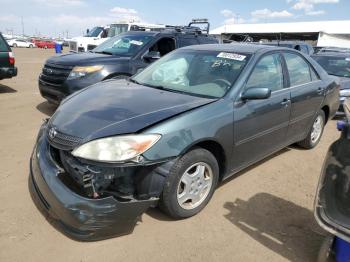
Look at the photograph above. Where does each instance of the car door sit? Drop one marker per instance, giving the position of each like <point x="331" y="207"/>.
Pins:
<point x="307" y="94"/>
<point x="20" y="43"/>
<point x="260" y="126"/>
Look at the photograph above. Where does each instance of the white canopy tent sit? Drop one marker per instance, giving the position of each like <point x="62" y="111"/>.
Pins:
<point x="326" y="33"/>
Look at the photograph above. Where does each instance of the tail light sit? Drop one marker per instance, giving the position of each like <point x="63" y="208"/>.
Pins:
<point x="11" y="58"/>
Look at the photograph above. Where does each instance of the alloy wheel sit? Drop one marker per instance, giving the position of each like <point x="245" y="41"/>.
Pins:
<point x="194" y="185"/>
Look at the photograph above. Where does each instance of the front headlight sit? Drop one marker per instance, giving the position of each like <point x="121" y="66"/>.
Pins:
<point x="81" y="71"/>
<point x="116" y="149"/>
<point x="345" y="92"/>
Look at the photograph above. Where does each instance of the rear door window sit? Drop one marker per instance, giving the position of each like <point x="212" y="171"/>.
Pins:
<point x="298" y="69"/>
<point x="3" y="45"/>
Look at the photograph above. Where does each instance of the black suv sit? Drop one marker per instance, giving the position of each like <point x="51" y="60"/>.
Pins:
<point x="7" y="60"/>
<point x="118" y="57"/>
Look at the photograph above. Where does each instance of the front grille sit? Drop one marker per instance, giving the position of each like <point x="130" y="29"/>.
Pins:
<point x="62" y="141"/>
<point x="55" y="74"/>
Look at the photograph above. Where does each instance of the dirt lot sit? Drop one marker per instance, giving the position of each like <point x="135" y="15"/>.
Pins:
<point x="264" y="213"/>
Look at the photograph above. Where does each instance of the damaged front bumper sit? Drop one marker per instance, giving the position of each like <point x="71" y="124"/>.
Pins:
<point x="81" y="218"/>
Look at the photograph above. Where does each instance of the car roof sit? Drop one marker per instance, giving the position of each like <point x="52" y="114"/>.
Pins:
<point x="333" y="54"/>
<point x="239" y="48"/>
<point x="288" y="42"/>
<point x="151" y="33"/>
<point x="162" y="32"/>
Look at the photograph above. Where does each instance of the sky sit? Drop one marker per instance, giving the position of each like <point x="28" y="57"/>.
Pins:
<point x="57" y="17"/>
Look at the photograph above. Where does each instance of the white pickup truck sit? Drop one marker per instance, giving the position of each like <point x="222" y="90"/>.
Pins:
<point x="99" y="34"/>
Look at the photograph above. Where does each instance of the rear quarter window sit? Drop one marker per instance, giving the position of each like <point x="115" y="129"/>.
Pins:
<point x="3" y="45"/>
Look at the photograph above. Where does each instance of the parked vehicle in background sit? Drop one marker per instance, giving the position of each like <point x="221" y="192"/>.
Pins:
<point x="41" y="43"/>
<point x="331" y="49"/>
<point x="7" y="60"/>
<point x="20" y="43"/>
<point x="332" y="203"/>
<point x="337" y="64"/>
<point x="169" y="134"/>
<point x="100" y="34"/>
<point x="95" y="36"/>
<point x="297" y="45"/>
<point x="120" y="56"/>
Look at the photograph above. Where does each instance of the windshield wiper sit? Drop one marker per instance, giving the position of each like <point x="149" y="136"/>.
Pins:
<point x="134" y="81"/>
<point x="103" y="52"/>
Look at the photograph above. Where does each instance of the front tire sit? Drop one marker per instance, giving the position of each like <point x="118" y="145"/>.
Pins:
<point x="190" y="184"/>
<point x="14" y="45"/>
<point x="315" y="134"/>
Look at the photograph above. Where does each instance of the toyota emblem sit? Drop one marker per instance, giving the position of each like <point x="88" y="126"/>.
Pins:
<point x="52" y="133"/>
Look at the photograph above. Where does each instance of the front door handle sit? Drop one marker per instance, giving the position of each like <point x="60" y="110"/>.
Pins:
<point x="285" y="102"/>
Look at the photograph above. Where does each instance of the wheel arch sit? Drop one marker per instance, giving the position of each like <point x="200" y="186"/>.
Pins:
<point x="216" y="149"/>
<point x="325" y="109"/>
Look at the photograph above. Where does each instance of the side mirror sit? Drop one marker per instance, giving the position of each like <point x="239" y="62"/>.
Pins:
<point x="255" y="93"/>
<point x="151" y="56"/>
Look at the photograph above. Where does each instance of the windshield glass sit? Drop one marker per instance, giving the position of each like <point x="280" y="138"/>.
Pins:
<point x="94" y="32"/>
<point x="338" y="66"/>
<point x="200" y="73"/>
<point x="124" y="45"/>
<point x="117" y="29"/>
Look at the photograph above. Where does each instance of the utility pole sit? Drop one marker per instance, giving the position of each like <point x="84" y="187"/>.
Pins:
<point x="22" y="25"/>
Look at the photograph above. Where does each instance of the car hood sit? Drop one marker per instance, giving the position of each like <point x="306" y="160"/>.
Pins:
<point x="88" y="58"/>
<point x="119" y="107"/>
<point x="344" y="82"/>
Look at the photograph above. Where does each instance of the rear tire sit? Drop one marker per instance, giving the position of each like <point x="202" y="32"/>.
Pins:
<point x="315" y="134"/>
<point x="14" y="45"/>
<point x="31" y="46"/>
<point x="190" y="184"/>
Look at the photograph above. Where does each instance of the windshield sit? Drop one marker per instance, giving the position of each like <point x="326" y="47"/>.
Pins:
<point x="200" y="73"/>
<point x="94" y="32"/>
<point x="124" y="45"/>
<point x="117" y="29"/>
<point x="338" y="66"/>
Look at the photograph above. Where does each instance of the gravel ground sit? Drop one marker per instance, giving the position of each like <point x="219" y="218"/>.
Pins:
<point x="264" y="213"/>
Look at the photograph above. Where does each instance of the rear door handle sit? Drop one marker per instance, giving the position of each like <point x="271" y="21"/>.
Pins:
<point x="285" y="102"/>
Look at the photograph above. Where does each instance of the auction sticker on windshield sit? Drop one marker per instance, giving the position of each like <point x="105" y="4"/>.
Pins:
<point x="232" y="56"/>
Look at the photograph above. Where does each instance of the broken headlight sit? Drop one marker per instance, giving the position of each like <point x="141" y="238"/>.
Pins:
<point x="116" y="149"/>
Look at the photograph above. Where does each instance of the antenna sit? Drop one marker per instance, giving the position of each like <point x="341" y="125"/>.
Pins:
<point x="22" y="25"/>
